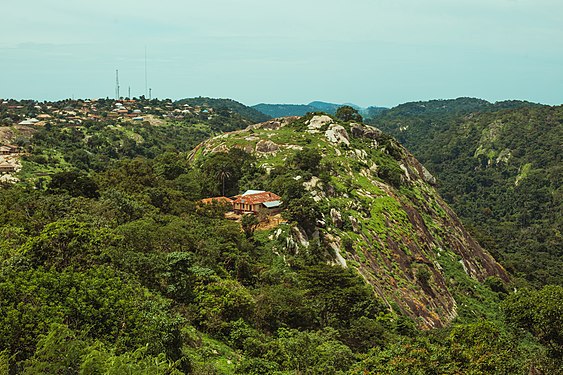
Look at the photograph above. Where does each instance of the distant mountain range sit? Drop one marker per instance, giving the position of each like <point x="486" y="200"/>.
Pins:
<point x="283" y="110"/>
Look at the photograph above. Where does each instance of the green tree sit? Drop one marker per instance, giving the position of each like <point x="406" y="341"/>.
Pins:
<point x="540" y="313"/>
<point x="304" y="211"/>
<point x="221" y="302"/>
<point x="347" y="113"/>
<point x="308" y="160"/>
<point x="59" y="351"/>
<point x="69" y="243"/>
<point x="74" y="183"/>
<point x="223" y="174"/>
<point x="249" y="224"/>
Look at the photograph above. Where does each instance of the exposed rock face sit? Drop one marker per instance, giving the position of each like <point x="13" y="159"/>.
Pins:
<point x="366" y="131"/>
<point x="317" y="122"/>
<point x="336" y="218"/>
<point x="274" y="124"/>
<point x="334" y="244"/>
<point x="337" y="134"/>
<point x="427" y="176"/>
<point x="266" y="146"/>
<point x="421" y="171"/>
<point x="395" y="227"/>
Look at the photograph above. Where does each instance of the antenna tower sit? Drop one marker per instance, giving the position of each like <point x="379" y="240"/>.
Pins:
<point x="116" y="84"/>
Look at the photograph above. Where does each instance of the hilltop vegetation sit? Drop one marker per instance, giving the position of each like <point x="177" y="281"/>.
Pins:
<point x="499" y="166"/>
<point x="112" y="265"/>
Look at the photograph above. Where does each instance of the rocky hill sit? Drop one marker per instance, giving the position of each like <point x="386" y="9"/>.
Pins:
<point x="375" y="210"/>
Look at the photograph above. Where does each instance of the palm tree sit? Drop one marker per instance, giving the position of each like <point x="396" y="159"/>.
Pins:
<point x="223" y="174"/>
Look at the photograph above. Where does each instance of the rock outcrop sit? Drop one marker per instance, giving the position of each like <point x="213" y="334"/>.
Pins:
<point x="380" y="214"/>
<point x="337" y="134"/>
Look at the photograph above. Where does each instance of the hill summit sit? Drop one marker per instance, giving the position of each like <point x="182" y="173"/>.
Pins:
<point x="368" y="205"/>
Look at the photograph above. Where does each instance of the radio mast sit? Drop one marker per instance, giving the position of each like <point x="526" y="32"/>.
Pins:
<point x="116" y="84"/>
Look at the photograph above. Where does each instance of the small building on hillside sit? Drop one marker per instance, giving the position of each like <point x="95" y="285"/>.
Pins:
<point x="8" y="149"/>
<point x="7" y="168"/>
<point x="29" y="121"/>
<point x="252" y="201"/>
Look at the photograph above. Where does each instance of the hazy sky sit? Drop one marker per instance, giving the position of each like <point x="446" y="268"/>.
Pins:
<point x="369" y="52"/>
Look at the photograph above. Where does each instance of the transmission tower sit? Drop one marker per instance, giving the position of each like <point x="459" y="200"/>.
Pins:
<point x="116" y="84"/>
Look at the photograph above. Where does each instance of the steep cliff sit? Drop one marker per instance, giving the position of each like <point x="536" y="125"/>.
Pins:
<point x="500" y="170"/>
<point x="378" y="213"/>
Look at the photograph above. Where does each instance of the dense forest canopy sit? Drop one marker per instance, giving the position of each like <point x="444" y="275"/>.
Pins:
<point x="111" y="265"/>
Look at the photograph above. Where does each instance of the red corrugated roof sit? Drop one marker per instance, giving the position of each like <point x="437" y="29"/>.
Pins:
<point x="257" y="198"/>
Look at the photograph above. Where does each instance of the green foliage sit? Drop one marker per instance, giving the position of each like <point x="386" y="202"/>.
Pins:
<point x="98" y="301"/>
<point x="4" y="362"/>
<point x="249" y="223"/>
<point x="310" y="352"/>
<point x="540" y="313"/>
<point x="283" y="306"/>
<point x="221" y="302"/>
<point x="483" y="348"/>
<point x="60" y="351"/>
<point x="391" y="173"/>
<point x="347" y="113"/>
<point x="68" y="243"/>
<point x="99" y="360"/>
<point x="480" y="348"/>
<point x="114" y="268"/>
<point x="287" y="187"/>
<point x="74" y="183"/>
<point x="304" y="211"/>
<point x="338" y="296"/>
<point x="307" y="160"/>
<point x="222" y="172"/>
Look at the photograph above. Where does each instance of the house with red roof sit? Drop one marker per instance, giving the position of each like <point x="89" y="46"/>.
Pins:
<point x="252" y="201"/>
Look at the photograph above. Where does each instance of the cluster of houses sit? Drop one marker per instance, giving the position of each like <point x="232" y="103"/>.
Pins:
<point x="8" y="154"/>
<point x="75" y="113"/>
<point x="250" y="202"/>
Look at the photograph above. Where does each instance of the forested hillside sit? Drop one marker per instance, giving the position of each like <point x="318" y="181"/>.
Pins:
<point x="110" y="263"/>
<point x="499" y="166"/>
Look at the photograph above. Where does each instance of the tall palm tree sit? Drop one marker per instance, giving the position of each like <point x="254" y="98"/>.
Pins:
<point x="222" y="175"/>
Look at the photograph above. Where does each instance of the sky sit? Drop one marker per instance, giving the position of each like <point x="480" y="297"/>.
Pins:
<point x="367" y="52"/>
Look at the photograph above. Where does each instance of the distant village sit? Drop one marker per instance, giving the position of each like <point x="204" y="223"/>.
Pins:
<point x="76" y="112"/>
<point x="23" y="116"/>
